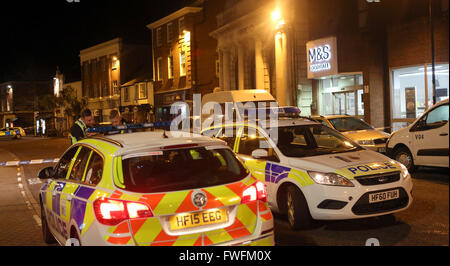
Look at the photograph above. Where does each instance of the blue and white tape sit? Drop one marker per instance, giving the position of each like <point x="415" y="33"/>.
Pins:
<point x="28" y="162"/>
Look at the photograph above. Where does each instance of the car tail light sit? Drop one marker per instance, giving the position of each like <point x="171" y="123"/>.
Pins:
<point x="113" y="212"/>
<point x="254" y="192"/>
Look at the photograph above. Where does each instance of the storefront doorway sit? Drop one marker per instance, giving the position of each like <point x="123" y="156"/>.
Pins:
<point x="340" y="95"/>
<point x="348" y="103"/>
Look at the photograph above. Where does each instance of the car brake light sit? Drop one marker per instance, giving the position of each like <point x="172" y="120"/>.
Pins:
<point x="181" y="146"/>
<point x="113" y="212"/>
<point x="254" y="192"/>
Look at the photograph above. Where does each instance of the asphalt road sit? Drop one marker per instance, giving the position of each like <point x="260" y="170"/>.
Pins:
<point x="425" y="223"/>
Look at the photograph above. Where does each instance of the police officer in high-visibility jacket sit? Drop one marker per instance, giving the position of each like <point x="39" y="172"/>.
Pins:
<point x="79" y="128"/>
<point x="117" y="120"/>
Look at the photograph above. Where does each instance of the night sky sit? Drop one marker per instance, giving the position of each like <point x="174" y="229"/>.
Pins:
<point x="36" y="36"/>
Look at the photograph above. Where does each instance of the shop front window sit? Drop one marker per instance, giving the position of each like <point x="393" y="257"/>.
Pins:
<point x="412" y="92"/>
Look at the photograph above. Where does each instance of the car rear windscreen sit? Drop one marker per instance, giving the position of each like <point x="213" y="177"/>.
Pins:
<point x="181" y="169"/>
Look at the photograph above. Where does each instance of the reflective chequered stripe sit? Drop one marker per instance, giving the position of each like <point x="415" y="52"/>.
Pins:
<point x="150" y="231"/>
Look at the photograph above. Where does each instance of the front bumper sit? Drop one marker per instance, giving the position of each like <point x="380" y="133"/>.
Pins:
<point x="341" y="203"/>
<point x="381" y="148"/>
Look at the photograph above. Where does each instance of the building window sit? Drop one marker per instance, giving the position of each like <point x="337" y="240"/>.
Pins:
<point x="160" y="69"/>
<point x="412" y="91"/>
<point x="126" y="94"/>
<point x="169" y="32"/>
<point x="182" y="63"/>
<point x="115" y="87"/>
<point x="158" y="37"/>
<point x="170" y="66"/>
<point x="217" y="68"/>
<point x="105" y="91"/>
<point x="142" y="91"/>
<point x="181" y="26"/>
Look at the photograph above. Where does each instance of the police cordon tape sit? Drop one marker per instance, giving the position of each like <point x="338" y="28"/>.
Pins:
<point x="28" y="162"/>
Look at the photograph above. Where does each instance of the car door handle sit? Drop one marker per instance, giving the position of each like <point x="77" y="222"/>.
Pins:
<point x="443" y="134"/>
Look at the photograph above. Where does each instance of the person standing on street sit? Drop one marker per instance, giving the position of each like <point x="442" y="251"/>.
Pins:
<point x="79" y="128"/>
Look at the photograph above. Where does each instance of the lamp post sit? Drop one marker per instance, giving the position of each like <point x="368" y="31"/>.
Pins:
<point x="433" y="77"/>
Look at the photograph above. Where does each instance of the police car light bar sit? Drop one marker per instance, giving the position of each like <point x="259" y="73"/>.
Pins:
<point x="286" y="111"/>
<point x="155" y="125"/>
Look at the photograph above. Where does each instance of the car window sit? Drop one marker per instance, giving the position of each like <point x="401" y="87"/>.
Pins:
<point x="343" y="124"/>
<point x="251" y="140"/>
<point x="212" y="132"/>
<point x="228" y="134"/>
<point x="312" y="140"/>
<point x="182" y="169"/>
<point x="94" y="170"/>
<point x="437" y="117"/>
<point x="64" y="163"/>
<point x="79" y="164"/>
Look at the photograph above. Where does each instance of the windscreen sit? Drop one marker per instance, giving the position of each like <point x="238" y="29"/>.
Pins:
<point x="181" y="169"/>
<point x="312" y="140"/>
<point x="343" y="124"/>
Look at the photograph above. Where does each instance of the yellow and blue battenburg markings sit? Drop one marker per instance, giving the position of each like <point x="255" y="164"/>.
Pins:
<point x="275" y="173"/>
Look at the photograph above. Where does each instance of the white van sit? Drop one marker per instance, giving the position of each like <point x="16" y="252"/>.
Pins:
<point x="424" y="142"/>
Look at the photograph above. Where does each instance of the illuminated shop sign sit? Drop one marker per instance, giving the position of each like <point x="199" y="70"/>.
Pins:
<point x="322" y="57"/>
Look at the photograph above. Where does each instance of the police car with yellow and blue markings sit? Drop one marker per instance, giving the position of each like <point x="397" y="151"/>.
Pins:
<point x="149" y="188"/>
<point x="314" y="172"/>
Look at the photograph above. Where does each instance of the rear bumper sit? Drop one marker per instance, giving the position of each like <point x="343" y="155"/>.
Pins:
<point x="265" y="240"/>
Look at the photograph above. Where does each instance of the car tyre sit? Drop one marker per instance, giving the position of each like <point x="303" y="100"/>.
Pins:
<point x="404" y="156"/>
<point x="297" y="210"/>
<point x="48" y="237"/>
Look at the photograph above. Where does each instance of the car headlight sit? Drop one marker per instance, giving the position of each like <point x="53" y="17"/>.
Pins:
<point x="366" y="142"/>
<point x="330" y="179"/>
<point x="405" y="172"/>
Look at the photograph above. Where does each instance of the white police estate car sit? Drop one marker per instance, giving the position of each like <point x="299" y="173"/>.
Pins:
<point x="425" y="142"/>
<point x="315" y="172"/>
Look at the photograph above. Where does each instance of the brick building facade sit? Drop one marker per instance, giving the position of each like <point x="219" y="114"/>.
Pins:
<point x="104" y="67"/>
<point x="382" y="48"/>
<point x="184" y="55"/>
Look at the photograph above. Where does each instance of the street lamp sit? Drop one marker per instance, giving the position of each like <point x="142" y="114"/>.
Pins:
<point x="277" y="19"/>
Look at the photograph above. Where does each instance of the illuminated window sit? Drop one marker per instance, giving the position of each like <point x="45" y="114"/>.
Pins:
<point x="170" y="66"/>
<point x="182" y="63"/>
<point x="142" y="91"/>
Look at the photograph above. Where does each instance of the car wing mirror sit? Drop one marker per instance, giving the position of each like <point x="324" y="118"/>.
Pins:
<point x="260" y="154"/>
<point x="46" y="173"/>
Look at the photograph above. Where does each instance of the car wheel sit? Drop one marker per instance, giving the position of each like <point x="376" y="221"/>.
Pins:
<point x="404" y="156"/>
<point x="18" y="136"/>
<point x="298" y="214"/>
<point x="48" y="237"/>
